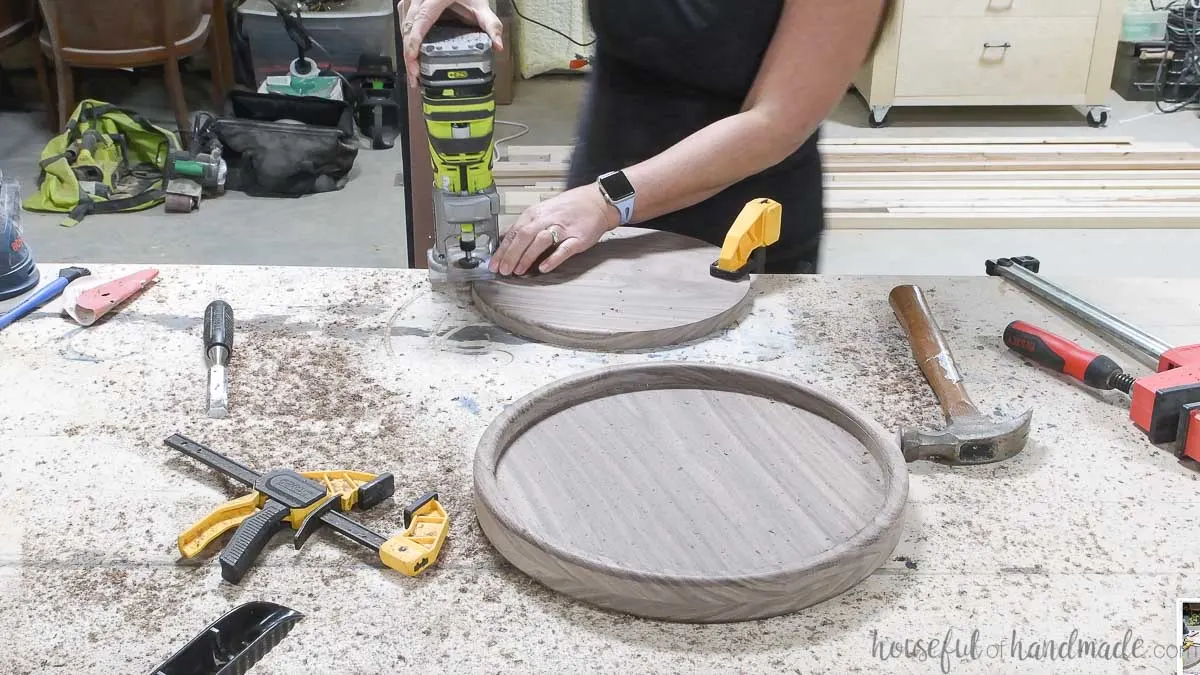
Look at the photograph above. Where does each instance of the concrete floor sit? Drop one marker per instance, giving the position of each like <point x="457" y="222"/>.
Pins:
<point x="362" y="225"/>
<point x="359" y="226"/>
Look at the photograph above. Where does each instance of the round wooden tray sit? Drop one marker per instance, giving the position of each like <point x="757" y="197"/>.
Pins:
<point x="690" y="492"/>
<point x="635" y="289"/>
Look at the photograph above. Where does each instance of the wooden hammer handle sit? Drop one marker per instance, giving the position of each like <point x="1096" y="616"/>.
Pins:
<point x="931" y="351"/>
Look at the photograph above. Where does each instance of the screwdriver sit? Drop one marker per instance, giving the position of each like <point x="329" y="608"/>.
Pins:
<point x="218" y="347"/>
<point x="1063" y="356"/>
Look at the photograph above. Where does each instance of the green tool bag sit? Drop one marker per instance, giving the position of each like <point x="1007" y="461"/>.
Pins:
<point x="108" y="160"/>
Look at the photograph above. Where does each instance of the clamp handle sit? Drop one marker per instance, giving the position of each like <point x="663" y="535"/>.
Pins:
<point x="1064" y="356"/>
<point x="250" y="539"/>
<point x="222" y="519"/>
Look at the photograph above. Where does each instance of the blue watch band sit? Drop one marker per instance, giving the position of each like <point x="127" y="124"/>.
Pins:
<point x="625" y="207"/>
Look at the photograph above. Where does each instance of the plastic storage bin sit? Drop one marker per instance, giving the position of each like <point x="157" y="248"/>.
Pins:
<point x="1144" y="26"/>
<point x="357" y="27"/>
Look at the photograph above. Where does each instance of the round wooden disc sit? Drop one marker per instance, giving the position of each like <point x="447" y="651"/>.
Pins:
<point x="690" y="492"/>
<point x="635" y="289"/>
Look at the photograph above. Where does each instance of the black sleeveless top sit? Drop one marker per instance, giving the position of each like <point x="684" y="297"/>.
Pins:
<point x="665" y="69"/>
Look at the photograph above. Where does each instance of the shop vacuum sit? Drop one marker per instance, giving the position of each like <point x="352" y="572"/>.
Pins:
<point x="18" y="273"/>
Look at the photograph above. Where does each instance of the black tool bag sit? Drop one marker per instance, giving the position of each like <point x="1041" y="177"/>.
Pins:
<point x="286" y="146"/>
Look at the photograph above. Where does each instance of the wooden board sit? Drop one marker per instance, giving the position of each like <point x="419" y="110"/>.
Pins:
<point x="690" y="492"/>
<point x="525" y="173"/>
<point x="976" y="140"/>
<point x="919" y="150"/>
<point x="1096" y="219"/>
<point x="964" y="183"/>
<point x="636" y="289"/>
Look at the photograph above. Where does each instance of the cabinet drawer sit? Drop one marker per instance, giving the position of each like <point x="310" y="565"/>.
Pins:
<point x="948" y="57"/>
<point x="1002" y="8"/>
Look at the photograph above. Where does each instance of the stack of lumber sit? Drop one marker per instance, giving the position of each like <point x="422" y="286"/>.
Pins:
<point x="968" y="183"/>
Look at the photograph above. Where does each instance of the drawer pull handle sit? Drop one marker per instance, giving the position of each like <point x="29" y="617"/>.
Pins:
<point x="997" y="45"/>
<point x="992" y="7"/>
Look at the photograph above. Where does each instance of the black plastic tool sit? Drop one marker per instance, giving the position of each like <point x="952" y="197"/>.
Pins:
<point x="377" y="89"/>
<point x="756" y="263"/>
<point x="218" y="329"/>
<point x="232" y="644"/>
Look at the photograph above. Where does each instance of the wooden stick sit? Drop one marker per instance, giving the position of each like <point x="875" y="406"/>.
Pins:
<point x="1088" y="220"/>
<point x="1033" y="186"/>
<point x="916" y="147"/>
<point x="1191" y="196"/>
<point x="532" y="195"/>
<point x="545" y="171"/>
<point x="976" y="180"/>
<point x="890" y="179"/>
<point x="983" y="140"/>
<point x="1020" y="165"/>
<point x="555" y="152"/>
<point x="1094" y="220"/>
<point x="1037" y="211"/>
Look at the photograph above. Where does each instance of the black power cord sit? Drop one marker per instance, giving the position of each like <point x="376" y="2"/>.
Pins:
<point x="517" y="11"/>
<point x="1177" y="82"/>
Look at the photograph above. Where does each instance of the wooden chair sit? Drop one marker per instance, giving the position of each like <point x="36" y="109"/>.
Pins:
<point x="221" y="45"/>
<point x="92" y="34"/>
<point x="18" y="22"/>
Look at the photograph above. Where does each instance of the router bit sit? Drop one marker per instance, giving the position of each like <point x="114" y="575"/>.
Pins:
<point x="218" y="347"/>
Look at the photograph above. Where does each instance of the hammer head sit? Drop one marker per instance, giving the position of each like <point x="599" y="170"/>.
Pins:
<point x="969" y="439"/>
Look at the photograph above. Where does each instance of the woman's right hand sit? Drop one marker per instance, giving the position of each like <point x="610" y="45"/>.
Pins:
<point x="420" y="16"/>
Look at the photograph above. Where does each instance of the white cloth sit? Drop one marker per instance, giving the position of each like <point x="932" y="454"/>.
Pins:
<point x="542" y="51"/>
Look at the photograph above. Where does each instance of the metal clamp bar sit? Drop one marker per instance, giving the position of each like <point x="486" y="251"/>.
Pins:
<point x="1102" y="322"/>
<point x="994" y="45"/>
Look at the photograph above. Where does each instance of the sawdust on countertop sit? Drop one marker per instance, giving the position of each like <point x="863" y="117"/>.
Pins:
<point x="869" y="366"/>
<point x="302" y="397"/>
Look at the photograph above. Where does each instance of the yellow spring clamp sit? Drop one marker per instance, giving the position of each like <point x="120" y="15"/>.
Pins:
<point x="745" y="248"/>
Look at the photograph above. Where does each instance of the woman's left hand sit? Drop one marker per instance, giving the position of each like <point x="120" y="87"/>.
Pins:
<point x="572" y="222"/>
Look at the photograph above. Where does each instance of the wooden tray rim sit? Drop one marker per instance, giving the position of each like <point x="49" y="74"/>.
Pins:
<point x="573" y="390"/>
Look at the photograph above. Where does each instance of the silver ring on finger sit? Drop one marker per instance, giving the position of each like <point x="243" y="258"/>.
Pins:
<point x="553" y="230"/>
<point x="406" y="28"/>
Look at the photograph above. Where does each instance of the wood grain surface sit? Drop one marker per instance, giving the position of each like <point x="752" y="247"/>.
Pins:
<point x="635" y="289"/>
<point x="971" y="183"/>
<point x="690" y="492"/>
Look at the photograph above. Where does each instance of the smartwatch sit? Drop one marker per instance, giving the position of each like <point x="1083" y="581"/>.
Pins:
<point x="618" y="191"/>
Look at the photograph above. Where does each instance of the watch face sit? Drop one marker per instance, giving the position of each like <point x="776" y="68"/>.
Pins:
<point x="616" y="186"/>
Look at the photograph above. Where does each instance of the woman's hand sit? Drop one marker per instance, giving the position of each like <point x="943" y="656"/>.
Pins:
<point x="422" y="14"/>
<point x="573" y="221"/>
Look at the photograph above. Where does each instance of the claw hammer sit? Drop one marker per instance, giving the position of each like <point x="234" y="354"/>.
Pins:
<point x="969" y="437"/>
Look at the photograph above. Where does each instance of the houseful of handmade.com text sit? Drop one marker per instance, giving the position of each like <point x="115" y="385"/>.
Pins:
<point x="963" y="646"/>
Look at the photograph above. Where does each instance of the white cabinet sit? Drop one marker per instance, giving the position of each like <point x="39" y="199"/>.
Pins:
<point x="995" y="52"/>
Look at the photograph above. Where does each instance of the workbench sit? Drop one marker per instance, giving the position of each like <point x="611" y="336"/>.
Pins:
<point x="1087" y="529"/>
